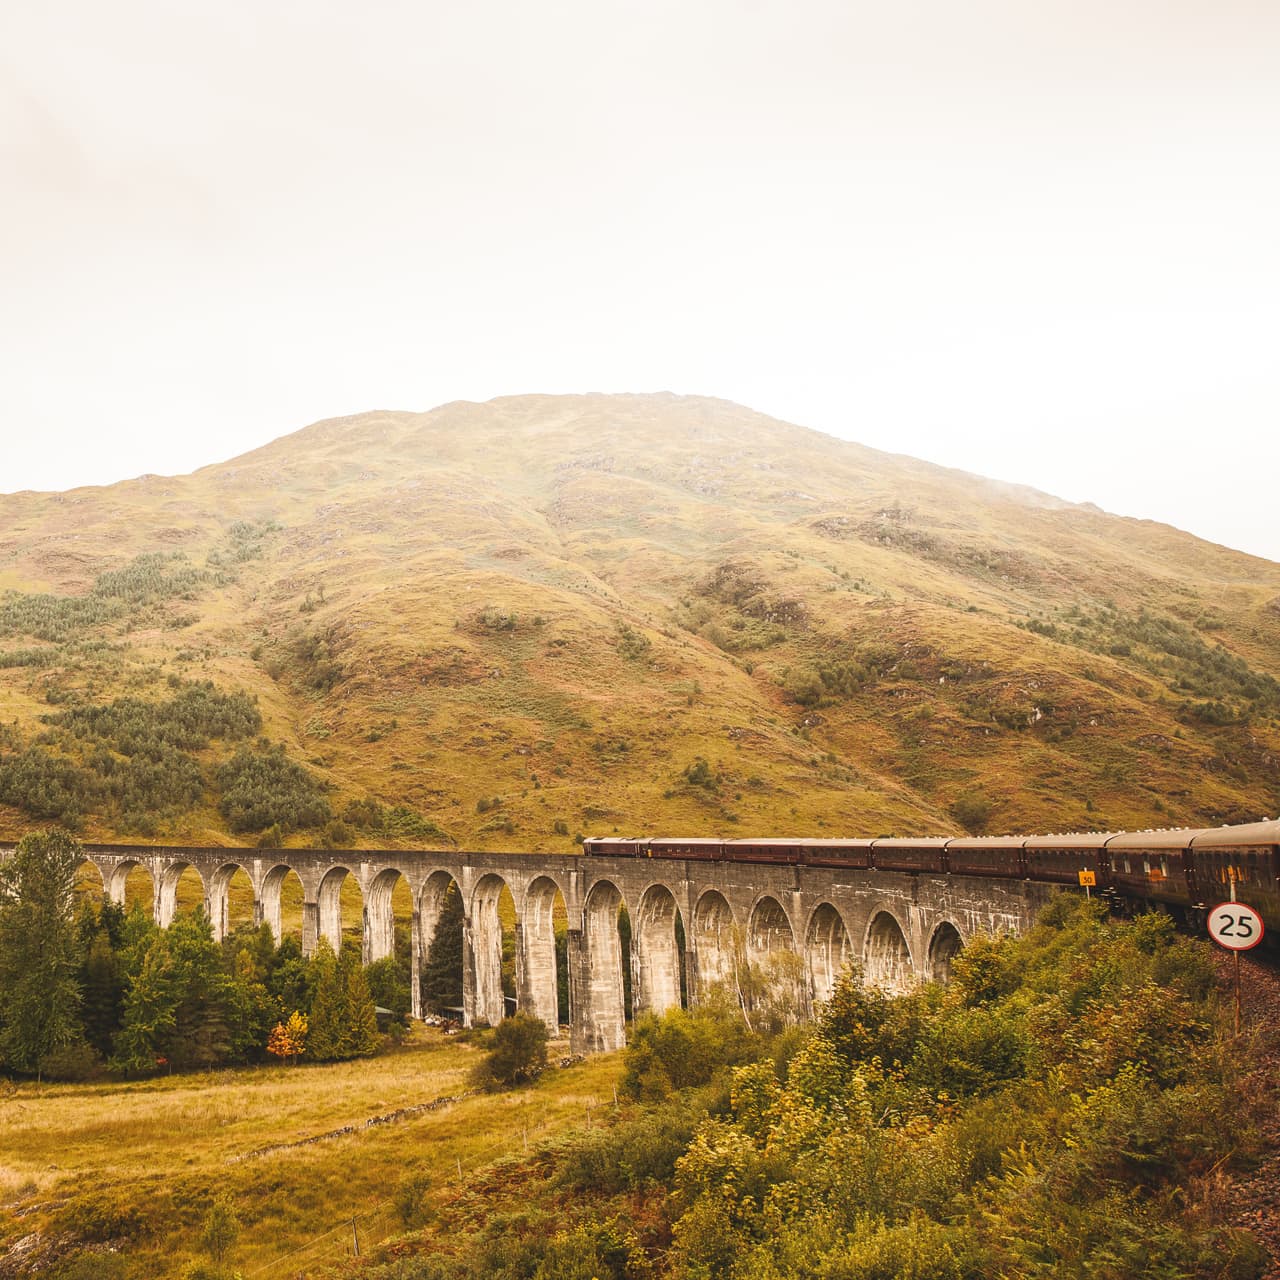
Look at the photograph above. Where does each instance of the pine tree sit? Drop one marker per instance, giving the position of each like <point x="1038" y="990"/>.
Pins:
<point x="328" y="1006"/>
<point x="150" y="1010"/>
<point x="442" y="973"/>
<point x="102" y="993"/>
<point x="39" y="950"/>
<point x="359" y="1037"/>
<point x="202" y="1033"/>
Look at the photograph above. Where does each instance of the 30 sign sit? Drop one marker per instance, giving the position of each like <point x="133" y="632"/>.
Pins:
<point x="1235" y="926"/>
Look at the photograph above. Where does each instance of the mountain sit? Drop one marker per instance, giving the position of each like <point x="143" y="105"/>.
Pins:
<point x="502" y="624"/>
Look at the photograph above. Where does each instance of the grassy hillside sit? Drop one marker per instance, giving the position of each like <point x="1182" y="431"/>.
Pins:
<point x="500" y="625"/>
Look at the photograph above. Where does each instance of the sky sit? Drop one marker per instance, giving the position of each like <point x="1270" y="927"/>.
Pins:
<point x="1037" y="241"/>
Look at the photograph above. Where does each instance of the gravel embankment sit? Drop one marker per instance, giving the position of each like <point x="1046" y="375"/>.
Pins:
<point x="1257" y="1192"/>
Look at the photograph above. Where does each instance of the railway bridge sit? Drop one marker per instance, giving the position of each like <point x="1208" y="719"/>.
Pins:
<point x="797" y="926"/>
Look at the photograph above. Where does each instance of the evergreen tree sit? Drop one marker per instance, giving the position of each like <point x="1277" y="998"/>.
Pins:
<point x="150" y="1009"/>
<point x="359" y="1037"/>
<point x="328" y="1007"/>
<point x="289" y="976"/>
<point x="442" y="973"/>
<point x="39" y="950"/>
<point x="102" y="993"/>
<point x="389" y="986"/>
<point x="202" y="1034"/>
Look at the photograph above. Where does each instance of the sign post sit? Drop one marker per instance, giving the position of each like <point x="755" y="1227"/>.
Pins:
<point x="1238" y="928"/>
<point x="1088" y="879"/>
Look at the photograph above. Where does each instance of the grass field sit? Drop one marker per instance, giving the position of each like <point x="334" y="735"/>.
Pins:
<point x="72" y="1156"/>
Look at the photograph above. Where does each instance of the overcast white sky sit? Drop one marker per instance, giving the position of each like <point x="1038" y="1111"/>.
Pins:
<point x="1036" y="240"/>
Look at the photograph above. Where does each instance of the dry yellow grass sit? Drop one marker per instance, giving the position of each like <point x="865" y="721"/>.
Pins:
<point x="168" y="1145"/>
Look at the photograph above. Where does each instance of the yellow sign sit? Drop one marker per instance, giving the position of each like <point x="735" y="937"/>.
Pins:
<point x="1088" y="878"/>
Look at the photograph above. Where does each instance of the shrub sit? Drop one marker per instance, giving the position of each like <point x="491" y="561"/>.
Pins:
<point x="518" y="1052"/>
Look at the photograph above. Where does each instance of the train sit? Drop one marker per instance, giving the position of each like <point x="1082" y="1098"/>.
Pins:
<point x="1187" y="869"/>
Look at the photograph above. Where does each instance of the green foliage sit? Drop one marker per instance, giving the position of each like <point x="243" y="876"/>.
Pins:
<point x="132" y="758"/>
<point x="410" y="1199"/>
<point x="442" y="972"/>
<point x="265" y="788"/>
<point x="48" y="786"/>
<point x="396" y="821"/>
<point x="632" y="1155"/>
<point x="40" y="951"/>
<point x="684" y="1049"/>
<point x="388" y="980"/>
<point x="123" y="593"/>
<point x="972" y="811"/>
<point x="518" y="1052"/>
<point x="1227" y="687"/>
<point x="632" y="644"/>
<point x="315" y="658"/>
<point x="1039" y="1117"/>
<point x="220" y="1230"/>
<point x="701" y="774"/>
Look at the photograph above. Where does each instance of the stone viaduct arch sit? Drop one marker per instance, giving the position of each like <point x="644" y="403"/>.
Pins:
<point x="803" y="924"/>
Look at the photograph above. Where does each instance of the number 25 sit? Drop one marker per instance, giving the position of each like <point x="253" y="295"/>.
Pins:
<point x="1243" y="926"/>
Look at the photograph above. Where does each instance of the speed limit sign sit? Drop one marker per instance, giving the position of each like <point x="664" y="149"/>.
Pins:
<point x="1235" y="926"/>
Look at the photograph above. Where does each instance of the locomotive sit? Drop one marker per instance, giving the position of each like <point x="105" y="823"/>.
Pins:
<point x="1186" y="869"/>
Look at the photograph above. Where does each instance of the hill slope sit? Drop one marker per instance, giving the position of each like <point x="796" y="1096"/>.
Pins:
<point x="500" y="624"/>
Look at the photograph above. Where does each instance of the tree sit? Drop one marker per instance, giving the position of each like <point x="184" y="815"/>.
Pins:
<point x="39" y="950"/>
<point x="150" y="1010"/>
<point x="220" y="1231"/>
<point x="202" y="1032"/>
<point x="442" y="973"/>
<point x="519" y="1051"/>
<point x="328" y="1006"/>
<point x="288" y="1040"/>
<point x="359" y="1037"/>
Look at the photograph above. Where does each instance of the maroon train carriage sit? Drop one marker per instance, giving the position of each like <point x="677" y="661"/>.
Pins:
<point x="923" y="853"/>
<point x="836" y="853"/>
<point x="997" y="856"/>
<point x="696" y="849"/>
<point x="787" y="852"/>
<point x="1152" y="865"/>
<point x="1059" y="859"/>
<point x="1249" y="855"/>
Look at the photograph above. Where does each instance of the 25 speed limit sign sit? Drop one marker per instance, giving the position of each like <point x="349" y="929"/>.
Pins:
<point x="1235" y="926"/>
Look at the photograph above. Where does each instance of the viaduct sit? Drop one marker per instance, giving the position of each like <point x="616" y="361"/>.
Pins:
<point x="797" y="925"/>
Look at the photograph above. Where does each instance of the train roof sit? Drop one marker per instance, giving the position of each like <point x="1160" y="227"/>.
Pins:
<point x="987" y="842"/>
<point x="695" y="840"/>
<point x="1070" y="840"/>
<point x="911" y="842"/>
<point x="806" y="842"/>
<point x="1246" y="833"/>
<point x="1170" y="838"/>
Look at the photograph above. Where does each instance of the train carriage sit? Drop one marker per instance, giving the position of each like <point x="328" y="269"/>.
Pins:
<point x="1249" y="856"/>
<point x="925" y="853"/>
<point x="1059" y="859"/>
<point x="999" y="857"/>
<point x="1152" y="865"/>
<point x="696" y="848"/>
<point x="836" y="853"/>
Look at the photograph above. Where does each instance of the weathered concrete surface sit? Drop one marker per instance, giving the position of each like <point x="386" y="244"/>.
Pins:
<point x="800" y="925"/>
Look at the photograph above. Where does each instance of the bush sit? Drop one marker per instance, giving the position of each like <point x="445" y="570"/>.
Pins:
<point x="684" y="1049"/>
<point x="518" y="1052"/>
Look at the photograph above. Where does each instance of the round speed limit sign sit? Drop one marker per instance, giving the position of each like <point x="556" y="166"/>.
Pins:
<point x="1235" y="926"/>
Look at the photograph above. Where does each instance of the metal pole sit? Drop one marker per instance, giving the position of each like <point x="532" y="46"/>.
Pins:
<point x="1236" y="954"/>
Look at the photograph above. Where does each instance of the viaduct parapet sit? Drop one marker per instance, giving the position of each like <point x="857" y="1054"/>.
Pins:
<point x="797" y="925"/>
